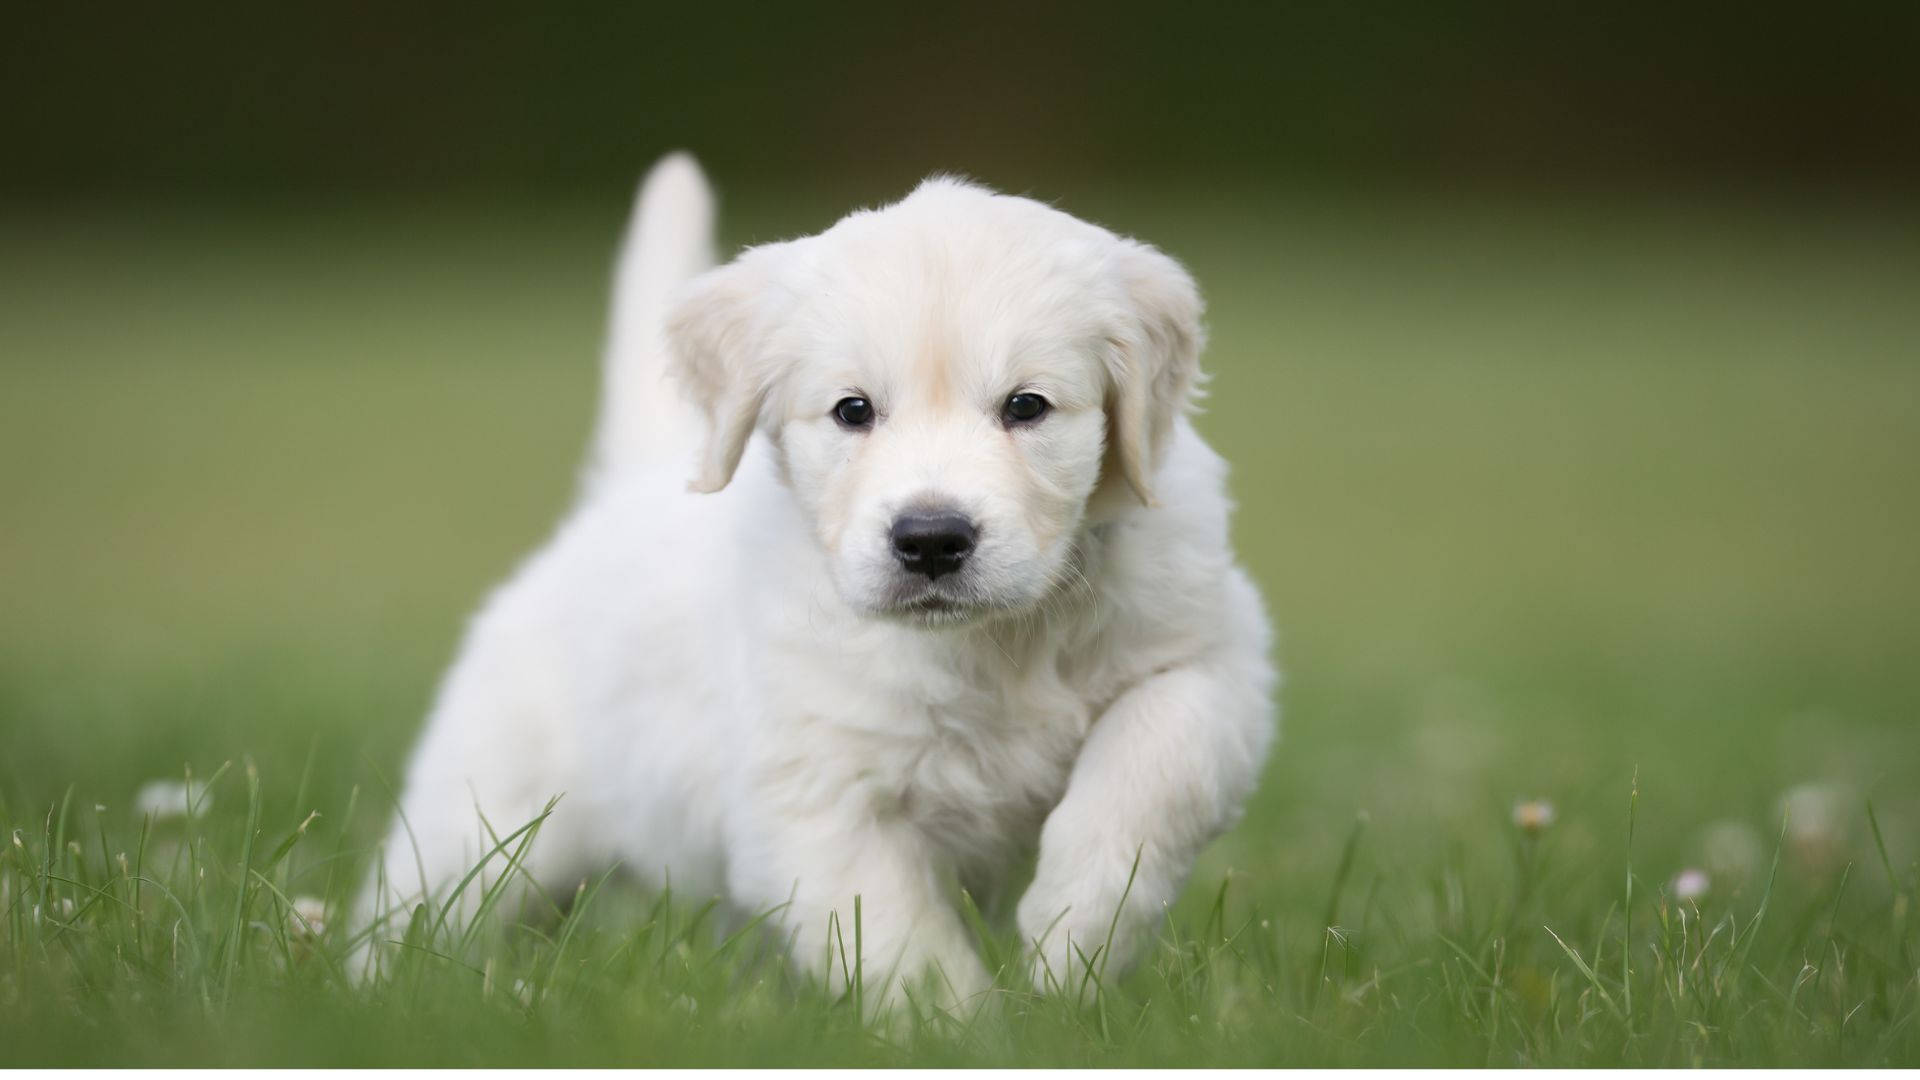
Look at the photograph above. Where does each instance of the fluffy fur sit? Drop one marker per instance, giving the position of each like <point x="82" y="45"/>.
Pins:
<point x="738" y="687"/>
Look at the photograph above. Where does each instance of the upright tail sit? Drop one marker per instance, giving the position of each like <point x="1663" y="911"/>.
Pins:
<point x="669" y="240"/>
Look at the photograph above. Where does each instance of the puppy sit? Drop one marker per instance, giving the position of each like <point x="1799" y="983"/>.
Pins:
<point x="951" y="584"/>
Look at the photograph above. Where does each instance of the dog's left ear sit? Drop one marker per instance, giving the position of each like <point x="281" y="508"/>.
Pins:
<point x="721" y="354"/>
<point x="1153" y="364"/>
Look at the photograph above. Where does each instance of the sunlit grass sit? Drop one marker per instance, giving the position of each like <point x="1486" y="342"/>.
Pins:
<point x="218" y="939"/>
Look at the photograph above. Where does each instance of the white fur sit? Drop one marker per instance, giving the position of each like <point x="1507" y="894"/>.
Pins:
<point x="742" y="692"/>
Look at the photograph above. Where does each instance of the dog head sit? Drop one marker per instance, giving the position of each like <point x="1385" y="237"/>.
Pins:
<point x="950" y="384"/>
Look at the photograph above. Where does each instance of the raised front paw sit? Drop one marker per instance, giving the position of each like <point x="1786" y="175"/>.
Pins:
<point x="1077" y="934"/>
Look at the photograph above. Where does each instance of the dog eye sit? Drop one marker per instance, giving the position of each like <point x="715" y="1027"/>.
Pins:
<point x="1023" y="408"/>
<point x="853" y="412"/>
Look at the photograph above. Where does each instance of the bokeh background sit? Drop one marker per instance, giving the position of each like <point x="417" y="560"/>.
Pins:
<point x="1566" y="358"/>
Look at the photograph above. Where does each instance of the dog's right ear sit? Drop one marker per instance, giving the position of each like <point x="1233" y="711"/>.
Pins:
<point x="720" y="343"/>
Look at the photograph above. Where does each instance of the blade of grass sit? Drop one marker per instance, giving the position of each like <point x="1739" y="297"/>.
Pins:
<point x="285" y="846"/>
<point x="1745" y="944"/>
<point x="238" y="928"/>
<point x="1880" y="846"/>
<point x="474" y="871"/>
<point x="1347" y="853"/>
<point x="516" y="865"/>
<point x="1592" y="977"/>
<point x="1626" y="953"/>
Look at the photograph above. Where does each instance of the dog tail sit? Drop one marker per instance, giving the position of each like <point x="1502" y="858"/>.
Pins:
<point x="669" y="240"/>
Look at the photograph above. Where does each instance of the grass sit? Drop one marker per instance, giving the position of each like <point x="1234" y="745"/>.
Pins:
<point x="1608" y="504"/>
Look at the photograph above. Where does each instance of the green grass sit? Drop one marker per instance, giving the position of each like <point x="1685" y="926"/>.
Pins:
<point x="1611" y="504"/>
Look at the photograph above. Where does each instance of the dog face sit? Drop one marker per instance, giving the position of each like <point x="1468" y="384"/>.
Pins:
<point x="952" y="384"/>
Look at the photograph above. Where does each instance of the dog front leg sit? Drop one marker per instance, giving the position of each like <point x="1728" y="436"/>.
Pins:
<point x="907" y="936"/>
<point x="1163" y="771"/>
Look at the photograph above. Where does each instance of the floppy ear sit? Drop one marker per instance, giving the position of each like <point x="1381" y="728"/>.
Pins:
<point x="718" y="337"/>
<point x="1154" y="363"/>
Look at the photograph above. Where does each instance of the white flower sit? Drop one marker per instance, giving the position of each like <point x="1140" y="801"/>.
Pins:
<point x="1816" y="822"/>
<point x="1533" y="815"/>
<point x="164" y="799"/>
<point x="307" y="917"/>
<point x="1690" y="884"/>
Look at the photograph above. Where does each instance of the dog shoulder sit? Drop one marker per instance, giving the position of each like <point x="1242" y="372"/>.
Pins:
<point x="1169" y="587"/>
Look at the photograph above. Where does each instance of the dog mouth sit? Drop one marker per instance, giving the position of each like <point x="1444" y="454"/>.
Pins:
<point x="934" y="606"/>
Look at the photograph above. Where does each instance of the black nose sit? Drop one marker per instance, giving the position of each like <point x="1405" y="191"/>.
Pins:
<point x="932" y="542"/>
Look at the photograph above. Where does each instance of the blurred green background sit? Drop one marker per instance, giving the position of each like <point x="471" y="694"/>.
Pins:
<point x="1566" y="362"/>
<point x="225" y="100"/>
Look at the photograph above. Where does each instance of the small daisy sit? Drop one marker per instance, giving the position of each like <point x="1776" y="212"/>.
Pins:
<point x="162" y="800"/>
<point x="1816" y="822"/>
<point x="1533" y="815"/>
<point x="1690" y="884"/>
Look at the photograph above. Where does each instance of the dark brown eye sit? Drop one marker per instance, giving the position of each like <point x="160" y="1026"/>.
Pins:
<point x="853" y="412"/>
<point x="1025" y="408"/>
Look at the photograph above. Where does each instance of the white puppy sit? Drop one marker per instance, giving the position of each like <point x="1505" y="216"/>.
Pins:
<point x="952" y="583"/>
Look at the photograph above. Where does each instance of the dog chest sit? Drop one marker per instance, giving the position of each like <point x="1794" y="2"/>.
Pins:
<point x="981" y="776"/>
<point x="968" y="740"/>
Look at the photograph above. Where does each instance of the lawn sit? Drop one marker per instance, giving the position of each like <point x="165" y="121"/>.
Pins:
<point x="1611" y="503"/>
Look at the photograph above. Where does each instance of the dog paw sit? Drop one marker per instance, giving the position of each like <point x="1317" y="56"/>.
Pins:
<point x="1071" y="941"/>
